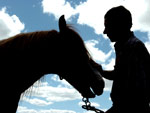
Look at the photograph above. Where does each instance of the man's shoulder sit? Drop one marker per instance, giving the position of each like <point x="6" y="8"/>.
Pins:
<point x="138" y="46"/>
<point x="135" y="42"/>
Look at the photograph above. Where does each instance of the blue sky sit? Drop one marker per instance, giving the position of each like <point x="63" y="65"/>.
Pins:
<point x="53" y="95"/>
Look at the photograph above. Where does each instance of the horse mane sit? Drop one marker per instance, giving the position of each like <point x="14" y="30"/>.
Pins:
<point x="26" y="40"/>
<point x="77" y="42"/>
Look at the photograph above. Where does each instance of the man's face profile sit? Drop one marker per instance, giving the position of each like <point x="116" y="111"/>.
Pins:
<point x="111" y="30"/>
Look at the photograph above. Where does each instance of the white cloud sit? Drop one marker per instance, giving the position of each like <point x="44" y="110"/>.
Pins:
<point x="9" y="24"/>
<point x="25" y="110"/>
<point x="92" y="12"/>
<point x="110" y="65"/>
<point x="89" y="112"/>
<point x="62" y="83"/>
<point x="147" y="43"/>
<point x="52" y="94"/>
<point x="37" y="102"/>
<point x="48" y="95"/>
<point x="108" y="85"/>
<point x="140" y="13"/>
<point x="97" y="54"/>
<point x="57" y="94"/>
<point x="22" y="109"/>
<point x="58" y="7"/>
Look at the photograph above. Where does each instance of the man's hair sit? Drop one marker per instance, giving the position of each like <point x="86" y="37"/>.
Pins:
<point x="119" y="16"/>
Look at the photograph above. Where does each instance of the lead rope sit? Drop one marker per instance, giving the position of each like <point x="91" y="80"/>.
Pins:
<point x="88" y="106"/>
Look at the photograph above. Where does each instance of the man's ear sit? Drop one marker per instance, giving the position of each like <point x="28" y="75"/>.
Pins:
<point x="62" y="23"/>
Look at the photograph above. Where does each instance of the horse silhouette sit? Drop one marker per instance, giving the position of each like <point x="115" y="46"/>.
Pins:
<point x="27" y="57"/>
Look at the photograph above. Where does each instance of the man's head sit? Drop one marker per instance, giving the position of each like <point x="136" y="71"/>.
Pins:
<point x="118" y="22"/>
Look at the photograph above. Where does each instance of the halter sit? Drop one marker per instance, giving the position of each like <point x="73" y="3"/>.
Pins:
<point x="88" y="106"/>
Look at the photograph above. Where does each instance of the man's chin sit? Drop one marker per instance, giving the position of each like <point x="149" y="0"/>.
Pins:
<point x="112" y="40"/>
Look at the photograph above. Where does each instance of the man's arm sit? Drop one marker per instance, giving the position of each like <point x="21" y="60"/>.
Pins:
<point x="108" y="74"/>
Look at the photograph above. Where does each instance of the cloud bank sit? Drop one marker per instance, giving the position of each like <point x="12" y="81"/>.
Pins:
<point x="10" y="24"/>
<point x="97" y="54"/>
<point x="50" y="94"/>
<point x="45" y="95"/>
<point x="91" y="12"/>
<point x="22" y="109"/>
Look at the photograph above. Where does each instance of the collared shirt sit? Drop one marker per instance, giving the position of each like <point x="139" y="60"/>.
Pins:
<point x="132" y="73"/>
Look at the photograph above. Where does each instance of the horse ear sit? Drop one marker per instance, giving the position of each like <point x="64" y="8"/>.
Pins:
<point x="62" y="23"/>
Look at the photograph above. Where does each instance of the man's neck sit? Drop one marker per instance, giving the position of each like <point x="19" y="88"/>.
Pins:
<point x="125" y="36"/>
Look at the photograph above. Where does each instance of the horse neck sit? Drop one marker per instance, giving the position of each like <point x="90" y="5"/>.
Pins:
<point x="30" y="52"/>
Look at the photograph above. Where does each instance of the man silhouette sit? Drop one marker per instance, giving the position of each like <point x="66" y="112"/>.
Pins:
<point x="130" y="90"/>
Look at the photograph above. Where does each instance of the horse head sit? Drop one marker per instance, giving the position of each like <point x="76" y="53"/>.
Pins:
<point x="81" y="71"/>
